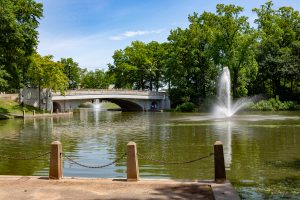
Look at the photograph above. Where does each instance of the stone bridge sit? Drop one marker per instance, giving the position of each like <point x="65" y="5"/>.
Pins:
<point x="128" y="100"/>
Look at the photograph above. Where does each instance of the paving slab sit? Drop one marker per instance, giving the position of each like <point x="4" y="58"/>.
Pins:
<point x="36" y="188"/>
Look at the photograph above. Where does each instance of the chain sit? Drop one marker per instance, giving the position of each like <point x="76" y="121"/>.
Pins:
<point x="94" y="166"/>
<point x="5" y="157"/>
<point x="174" y="163"/>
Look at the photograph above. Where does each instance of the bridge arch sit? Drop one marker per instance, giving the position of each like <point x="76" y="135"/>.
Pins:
<point x="126" y="105"/>
<point x="56" y="107"/>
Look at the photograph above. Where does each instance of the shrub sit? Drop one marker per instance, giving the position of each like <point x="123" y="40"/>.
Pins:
<point x="185" y="107"/>
<point x="272" y="105"/>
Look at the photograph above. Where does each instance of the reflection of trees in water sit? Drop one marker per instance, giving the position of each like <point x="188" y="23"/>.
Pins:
<point x="162" y="139"/>
<point x="10" y="129"/>
<point x="102" y="136"/>
<point x="23" y="138"/>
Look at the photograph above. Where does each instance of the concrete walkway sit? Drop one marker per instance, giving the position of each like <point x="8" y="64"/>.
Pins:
<point x="36" y="188"/>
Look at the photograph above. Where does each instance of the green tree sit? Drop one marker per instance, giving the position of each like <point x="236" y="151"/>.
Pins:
<point x="18" y="37"/>
<point x="45" y="73"/>
<point x="3" y="76"/>
<point x="124" y="72"/>
<point x="72" y="71"/>
<point x="156" y="53"/>
<point x="139" y="66"/>
<point x="278" y="51"/>
<point x="233" y="45"/>
<point x="96" y="79"/>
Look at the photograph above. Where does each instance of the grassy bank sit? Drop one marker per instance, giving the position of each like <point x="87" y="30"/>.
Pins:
<point x="9" y="107"/>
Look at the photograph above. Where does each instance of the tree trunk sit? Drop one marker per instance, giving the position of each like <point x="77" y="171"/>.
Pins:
<point x="39" y="96"/>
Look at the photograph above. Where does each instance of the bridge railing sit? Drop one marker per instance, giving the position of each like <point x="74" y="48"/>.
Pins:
<point x="112" y="91"/>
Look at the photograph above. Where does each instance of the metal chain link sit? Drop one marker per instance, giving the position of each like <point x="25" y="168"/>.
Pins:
<point x="91" y="166"/>
<point x="7" y="157"/>
<point x="173" y="163"/>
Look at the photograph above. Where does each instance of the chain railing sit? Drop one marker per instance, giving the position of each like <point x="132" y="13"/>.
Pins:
<point x="56" y="155"/>
<point x="22" y="157"/>
<point x="93" y="166"/>
<point x="164" y="162"/>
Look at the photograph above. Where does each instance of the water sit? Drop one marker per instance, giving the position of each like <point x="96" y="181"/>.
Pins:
<point x="262" y="151"/>
<point x="97" y="105"/>
<point x="224" y="106"/>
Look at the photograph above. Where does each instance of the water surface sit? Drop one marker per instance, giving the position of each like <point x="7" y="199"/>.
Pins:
<point x="262" y="151"/>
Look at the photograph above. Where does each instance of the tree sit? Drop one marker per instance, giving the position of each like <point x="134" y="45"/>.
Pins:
<point x="122" y="70"/>
<point x="96" y="79"/>
<point x="156" y="54"/>
<point x="72" y="71"/>
<point x="139" y="66"/>
<point x="3" y="82"/>
<point x="233" y="44"/>
<point x="45" y="73"/>
<point x="278" y="51"/>
<point x="18" y="37"/>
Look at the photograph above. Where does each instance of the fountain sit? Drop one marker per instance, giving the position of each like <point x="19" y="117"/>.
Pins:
<point x="97" y="105"/>
<point x="225" y="107"/>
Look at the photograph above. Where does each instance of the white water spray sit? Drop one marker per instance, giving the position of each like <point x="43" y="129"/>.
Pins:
<point x="224" y="106"/>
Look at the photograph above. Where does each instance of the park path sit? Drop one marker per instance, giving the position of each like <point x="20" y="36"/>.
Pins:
<point x="36" y="188"/>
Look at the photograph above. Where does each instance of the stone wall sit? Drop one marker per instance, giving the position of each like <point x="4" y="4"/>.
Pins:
<point x="32" y="96"/>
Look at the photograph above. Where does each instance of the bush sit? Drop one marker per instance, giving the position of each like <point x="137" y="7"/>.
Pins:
<point x="185" y="107"/>
<point x="272" y="105"/>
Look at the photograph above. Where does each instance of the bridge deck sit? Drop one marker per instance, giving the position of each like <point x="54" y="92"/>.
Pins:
<point x="108" y="94"/>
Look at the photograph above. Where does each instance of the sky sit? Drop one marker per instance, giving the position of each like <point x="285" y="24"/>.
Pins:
<point x="89" y="31"/>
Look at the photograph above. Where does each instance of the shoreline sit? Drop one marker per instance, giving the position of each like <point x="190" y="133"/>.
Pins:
<point x="27" y="116"/>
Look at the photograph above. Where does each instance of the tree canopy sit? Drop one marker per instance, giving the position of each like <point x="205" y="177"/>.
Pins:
<point x="262" y="60"/>
<point x="18" y="38"/>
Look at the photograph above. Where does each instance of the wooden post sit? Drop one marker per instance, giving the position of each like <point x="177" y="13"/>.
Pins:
<point x="24" y="114"/>
<point x="220" y="174"/>
<point x="132" y="162"/>
<point x="33" y="112"/>
<point x="55" y="171"/>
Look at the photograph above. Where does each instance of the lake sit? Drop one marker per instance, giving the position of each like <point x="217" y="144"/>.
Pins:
<point x="262" y="150"/>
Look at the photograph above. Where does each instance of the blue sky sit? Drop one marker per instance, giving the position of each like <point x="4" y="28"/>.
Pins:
<point x="89" y="31"/>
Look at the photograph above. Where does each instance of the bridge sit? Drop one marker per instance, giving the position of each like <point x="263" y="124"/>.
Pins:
<point x="128" y="100"/>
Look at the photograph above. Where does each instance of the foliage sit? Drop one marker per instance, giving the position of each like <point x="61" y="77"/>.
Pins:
<point x="72" y="71"/>
<point x="18" y="38"/>
<point x="263" y="60"/>
<point x="138" y="66"/>
<point x="45" y="73"/>
<point x="272" y="105"/>
<point x="3" y="81"/>
<point x="96" y="79"/>
<point x="185" y="107"/>
<point x="278" y="52"/>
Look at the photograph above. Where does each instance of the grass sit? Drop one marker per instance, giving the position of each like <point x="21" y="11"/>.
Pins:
<point x="9" y="107"/>
<point x="109" y="105"/>
<point x="104" y="105"/>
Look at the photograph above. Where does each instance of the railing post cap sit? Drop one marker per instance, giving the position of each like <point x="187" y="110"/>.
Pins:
<point x="131" y="143"/>
<point x="218" y="143"/>
<point x="56" y="142"/>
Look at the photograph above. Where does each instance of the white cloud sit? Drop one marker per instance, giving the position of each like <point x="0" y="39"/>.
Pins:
<point x="129" y="34"/>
